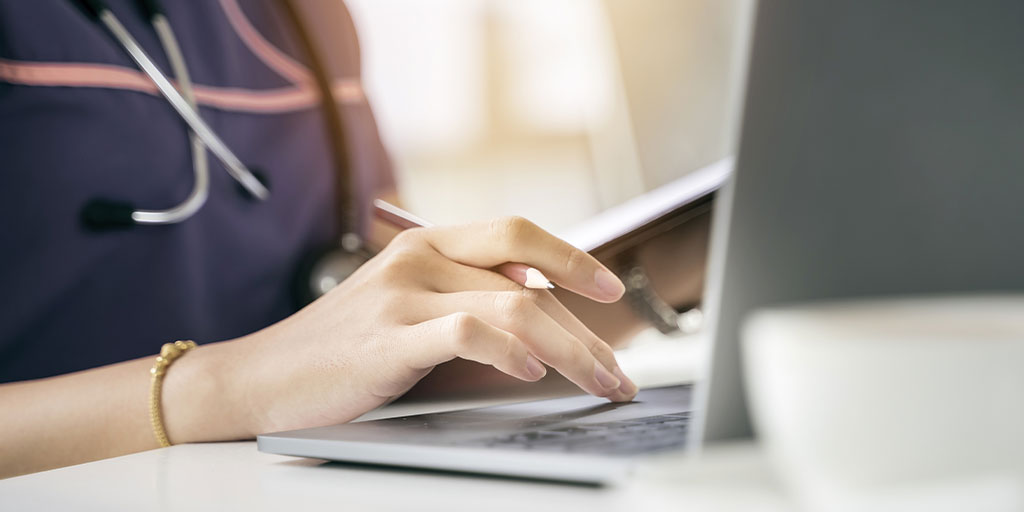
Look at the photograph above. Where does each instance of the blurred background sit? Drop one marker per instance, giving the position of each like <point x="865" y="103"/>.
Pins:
<point x="549" y="109"/>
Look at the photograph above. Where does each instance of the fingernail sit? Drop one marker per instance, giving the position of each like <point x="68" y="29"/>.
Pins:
<point x="627" y="387"/>
<point x="609" y="284"/>
<point x="604" y="378"/>
<point x="534" y="368"/>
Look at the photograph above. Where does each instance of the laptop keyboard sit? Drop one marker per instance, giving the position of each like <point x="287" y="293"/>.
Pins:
<point x="622" y="438"/>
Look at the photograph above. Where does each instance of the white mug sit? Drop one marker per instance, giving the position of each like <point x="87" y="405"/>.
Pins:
<point x="896" y="404"/>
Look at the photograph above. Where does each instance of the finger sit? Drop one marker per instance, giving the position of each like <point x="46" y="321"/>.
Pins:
<point x="462" y="278"/>
<point x="468" y="337"/>
<point x="599" y="348"/>
<point x="514" y="239"/>
<point x="557" y="312"/>
<point x="422" y="267"/>
<point x="517" y="313"/>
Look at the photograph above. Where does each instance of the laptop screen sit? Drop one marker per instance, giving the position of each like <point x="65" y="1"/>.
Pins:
<point x="880" y="155"/>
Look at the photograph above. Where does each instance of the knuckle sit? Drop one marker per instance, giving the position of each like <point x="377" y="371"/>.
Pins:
<point x="511" y="348"/>
<point x="407" y="237"/>
<point x="401" y="259"/>
<point x="463" y="328"/>
<point x="514" y="305"/>
<point x="578" y="355"/>
<point x="602" y="351"/>
<point x="574" y="259"/>
<point x="511" y="230"/>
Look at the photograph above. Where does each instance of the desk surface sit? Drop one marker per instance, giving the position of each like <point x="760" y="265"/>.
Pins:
<point x="235" y="476"/>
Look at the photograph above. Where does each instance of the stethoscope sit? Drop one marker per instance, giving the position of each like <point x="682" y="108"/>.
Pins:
<point x="321" y="269"/>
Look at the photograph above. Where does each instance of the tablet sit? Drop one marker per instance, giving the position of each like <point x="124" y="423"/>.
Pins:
<point x="643" y="217"/>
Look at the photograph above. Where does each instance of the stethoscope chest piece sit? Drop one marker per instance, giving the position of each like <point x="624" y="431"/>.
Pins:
<point x="325" y="269"/>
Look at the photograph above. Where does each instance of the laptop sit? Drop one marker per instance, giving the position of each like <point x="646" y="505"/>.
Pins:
<point x="881" y="153"/>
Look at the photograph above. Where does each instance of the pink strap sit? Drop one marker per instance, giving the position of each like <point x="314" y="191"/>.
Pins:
<point x="71" y="74"/>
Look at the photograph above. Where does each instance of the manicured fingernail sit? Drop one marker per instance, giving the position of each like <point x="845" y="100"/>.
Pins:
<point x="534" y="368"/>
<point x="627" y="387"/>
<point x="609" y="284"/>
<point x="604" y="378"/>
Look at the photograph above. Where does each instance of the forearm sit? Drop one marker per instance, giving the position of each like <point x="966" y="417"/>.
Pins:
<point x="75" y="418"/>
<point x="104" y="412"/>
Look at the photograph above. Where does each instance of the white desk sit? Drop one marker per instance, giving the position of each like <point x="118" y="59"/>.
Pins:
<point x="235" y="476"/>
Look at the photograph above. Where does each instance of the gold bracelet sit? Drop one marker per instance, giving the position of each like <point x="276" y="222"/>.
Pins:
<point x="168" y="353"/>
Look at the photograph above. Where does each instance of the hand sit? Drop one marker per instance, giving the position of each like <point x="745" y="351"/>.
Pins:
<point x="430" y="297"/>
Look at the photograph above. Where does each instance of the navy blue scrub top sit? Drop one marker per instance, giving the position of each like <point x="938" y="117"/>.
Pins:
<point x="78" y="120"/>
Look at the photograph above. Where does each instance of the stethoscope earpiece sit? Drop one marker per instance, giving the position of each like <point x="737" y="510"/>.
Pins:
<point x="105" y="214"/>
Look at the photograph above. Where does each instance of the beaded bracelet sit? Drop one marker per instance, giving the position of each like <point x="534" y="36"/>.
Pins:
<point x="168" y="353"/>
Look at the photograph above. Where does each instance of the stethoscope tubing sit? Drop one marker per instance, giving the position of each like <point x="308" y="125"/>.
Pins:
<point x="200" y="165"/>
<point x="185" y="110"/>
<point x="332" y="263"/>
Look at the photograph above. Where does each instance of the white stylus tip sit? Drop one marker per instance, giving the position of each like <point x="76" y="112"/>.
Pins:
<point x="536" y="280"/>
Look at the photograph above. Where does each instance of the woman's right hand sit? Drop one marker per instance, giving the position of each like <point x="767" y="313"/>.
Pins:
<point x="427" y="298"/>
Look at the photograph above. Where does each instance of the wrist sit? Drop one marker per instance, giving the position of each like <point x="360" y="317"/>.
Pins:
<point x="203" y="396"/>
